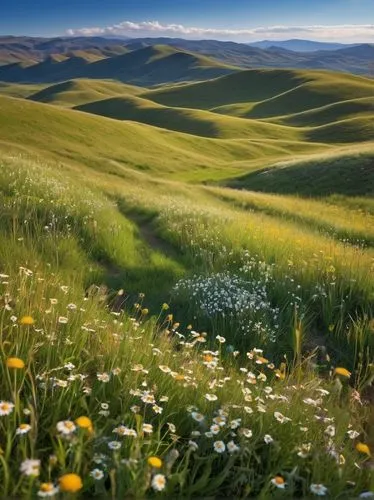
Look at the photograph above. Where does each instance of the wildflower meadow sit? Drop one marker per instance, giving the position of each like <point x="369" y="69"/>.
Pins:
<point x="158" y="340"/>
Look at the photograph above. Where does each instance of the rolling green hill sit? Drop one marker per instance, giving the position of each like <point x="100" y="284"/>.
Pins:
<point x="207" y="140"/>
<point x="322" y="115"/>
<point x="110" y="145"/>
<point x="348" y="172"/>
<point x="250" y="123"/>
<point x="267" y="93"/>
<point x="81" y="91"/>
<point x="191" y="121"/>
<point x="19" y="89"/>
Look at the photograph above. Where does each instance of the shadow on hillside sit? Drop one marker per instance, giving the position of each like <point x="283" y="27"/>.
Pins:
<point x="160" y="267"/>
<point x="351" y="176"/>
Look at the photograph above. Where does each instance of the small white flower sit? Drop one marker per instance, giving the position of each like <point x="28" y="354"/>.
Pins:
<point x="6" y="408"/>
<point x="318" y="489"/>
<point x="268" y="439"/>
<point x="47" y="490"/>
<point x="214" y="429"/>
<point x="193" y="445"/>
<point x="69" y="366"/>
<point x="114" y="445"/>
<point x="23" y="429"/>
<point x="330" y="430"/>
<point x="147" y="428"/>
<point x="232" y="447"/>
<point x="97" y="474"/>
<point x="219" y="446"/>
<point x="353" y="434"/>
<point x="103" y="377"/>
<point x="63" y="320"/>
<point x="165" y="369"/>
<point x="30" y="467"/>
<point x="211" y="397"/>
<point x="310" y="402"/>
<point x="172" y="427"/>
<point x="281" y="418"/>
<point x="220" y="339"/>
<point x="197" y="416"/>
<point x="66" y="427"/>
<point x="234" y="424"/>
<point x="247" y="433"/>
<point x="158" y="482"/>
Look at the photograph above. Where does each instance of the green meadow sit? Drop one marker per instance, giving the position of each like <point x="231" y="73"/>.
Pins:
<point x="186" y="287"/>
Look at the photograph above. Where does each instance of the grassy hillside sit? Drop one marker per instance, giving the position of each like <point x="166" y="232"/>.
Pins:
<point x="173" y="338"/>
<point x="349" y="126"/>
<point x="191" y="121"/>
<point x="349" y="172"/>
<point x="322" y="89"/>
<point x="321" y="115"/>
<point x="107" y="144"/>
<point x="275" y="92"/>
<point x="80" y="91"/>
<point x="19" y="89"/>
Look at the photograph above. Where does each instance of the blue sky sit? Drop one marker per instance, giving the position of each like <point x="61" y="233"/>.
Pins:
<point x="241" y="20"/>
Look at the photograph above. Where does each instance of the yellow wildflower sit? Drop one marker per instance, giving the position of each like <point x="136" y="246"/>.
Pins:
<point x="155" y="462"/>
<point x="70" y="483"/>
<point x="27" y="320"/>
<point x="16" y="363"/>
<point x="342" y="371"/>
<point x="363" y="448"/>
<point x="84" y="423"/>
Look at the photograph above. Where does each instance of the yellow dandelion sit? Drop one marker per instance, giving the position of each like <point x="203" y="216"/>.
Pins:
<point x="84" y="423"/>
<point x="70" y="483"/>
<point x="342" y="371"/>
<point x="179" y="377"/>
<point x="155" y="462"/>
<point x="27" y="320"/>
<point x="363" y="448"/>
<point x="15" y="363"/>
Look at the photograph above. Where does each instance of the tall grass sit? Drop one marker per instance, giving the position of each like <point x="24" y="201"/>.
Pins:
<point x="237" y="386"/>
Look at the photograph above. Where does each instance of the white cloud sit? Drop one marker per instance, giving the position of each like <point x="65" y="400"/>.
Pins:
<point x="343" y="33"/>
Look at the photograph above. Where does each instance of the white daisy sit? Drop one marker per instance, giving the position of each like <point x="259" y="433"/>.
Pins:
<point x="232" y="447"/>
<point x="97" y="474"/>
<point x="66" y="427"/>
<point x="23" y="429"/>
<point x="158" y="482"/>
<point x="318" y="489"/>
<point x="30" y="467"/>
<point x="6" y="408"/>
<point x="114" y="445"/>
<point x="219" y="446"/>
<point x="211" y="397"/>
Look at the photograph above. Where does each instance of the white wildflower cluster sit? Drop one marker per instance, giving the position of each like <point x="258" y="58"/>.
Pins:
<point x="244" y="302"/>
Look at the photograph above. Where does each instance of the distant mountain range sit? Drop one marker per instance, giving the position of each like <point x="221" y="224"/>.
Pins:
<point x="297" y="45"/>
<point x="153" y="61"/>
